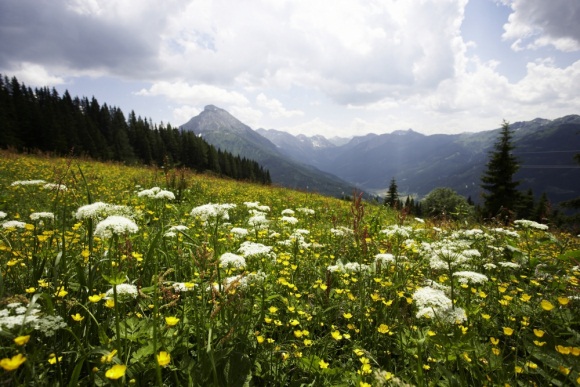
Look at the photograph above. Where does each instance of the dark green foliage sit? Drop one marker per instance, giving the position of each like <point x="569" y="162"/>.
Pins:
<point x="392" y="198"/>
<point x="444" y="202"/>
<point x="41" y="120"/>
<point x="502" y="196"/>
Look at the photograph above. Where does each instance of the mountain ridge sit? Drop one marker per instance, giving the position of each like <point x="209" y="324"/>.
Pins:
<point x="224" y="131"/>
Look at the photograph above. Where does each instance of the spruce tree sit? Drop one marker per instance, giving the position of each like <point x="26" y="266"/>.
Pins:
<point x="392" y="198"/>
<point x="502" y="195"/>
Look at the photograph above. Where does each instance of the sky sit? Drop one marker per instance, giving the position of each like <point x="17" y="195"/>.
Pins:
<point x="330" y="67"/>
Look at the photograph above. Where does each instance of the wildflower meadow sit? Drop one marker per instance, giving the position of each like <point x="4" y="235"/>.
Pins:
<point x="116" y="275"/>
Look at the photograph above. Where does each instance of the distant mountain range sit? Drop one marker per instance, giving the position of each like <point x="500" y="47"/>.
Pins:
<point x="224" y="131"/>
<point x="419" y="163"/>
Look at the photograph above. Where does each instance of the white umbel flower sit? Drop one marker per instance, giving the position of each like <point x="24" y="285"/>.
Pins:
<point x="42" y="215"/>
<point x="115" y="225"/>
<point x="232" y="260"/>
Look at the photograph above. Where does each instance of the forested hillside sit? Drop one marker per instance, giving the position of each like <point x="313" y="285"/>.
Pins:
<point x="43" y="120"/>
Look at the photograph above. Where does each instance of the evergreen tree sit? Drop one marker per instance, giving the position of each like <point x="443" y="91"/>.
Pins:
<point x="502" y="196"/>
<point x="392" y="198"/>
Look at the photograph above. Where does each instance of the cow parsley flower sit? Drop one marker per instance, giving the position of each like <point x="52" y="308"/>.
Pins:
<point x="258" y="221"/>
<point x="3" y="214"/>
<point x="55" y="187"/>
<point x="125" y="292"/>
<point x="348" y="267"/>
<point x="399" y="231"/>
<point x="470" y="277"/>
<point x="509" y="265"/>
<point x="523" y="223"/>
<point x="42" y="215"/>
<point x="27" y="182"/>
<point x="232" y="260"/>
<point x="384" y="258"/>
<point x="115" y="225"/>
<point x="289" y="219"/>
<point x="13" y="224"/>
<point x="100" y="210"/>
<point x="288" y="212"/>
<point x="239" y="232"/>
<point x="156" y="193"/>
<point x="341" y="231"/>
<point x="249" y="249"/>
<point x="173" y="230"/>
<point x="257" y="206"/>
<point x="306" y="211"/>
<point x="213" y="212"/>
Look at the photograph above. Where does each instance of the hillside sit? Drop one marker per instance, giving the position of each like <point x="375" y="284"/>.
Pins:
<point x="420" y="163"/>
<point x="224" y="131"/>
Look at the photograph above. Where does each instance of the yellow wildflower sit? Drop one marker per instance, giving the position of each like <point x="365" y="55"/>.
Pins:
<point x="383" y="328"/>
<point x="546" y="305"/>
<point x="95" y="298"/>
<point x="171" y="321"/>
<point x="77" y="317"/>
<point x="11" y="364"/>
<point x="115" y="372"/>
<point x="508" y="331"/>
<point x="163" y="358"/>
<point x="52" y="359"/>
<point x="323" y="364"/>
<point x="21" y="340"/>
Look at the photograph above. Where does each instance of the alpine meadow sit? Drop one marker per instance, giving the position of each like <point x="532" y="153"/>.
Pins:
<point x="121" y="275"/>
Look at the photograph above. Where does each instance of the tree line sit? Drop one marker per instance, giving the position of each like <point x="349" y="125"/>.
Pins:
<point x="502" y="201"/>
<point x="42" y="120"/>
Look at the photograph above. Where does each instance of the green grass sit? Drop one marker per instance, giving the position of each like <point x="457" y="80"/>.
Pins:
<point x="310" y="306"/>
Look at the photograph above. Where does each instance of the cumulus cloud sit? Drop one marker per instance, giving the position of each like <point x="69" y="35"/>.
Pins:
<point x="539" y="23"/>
<point x="185" y="93"/>
<point x="275" y="107"/>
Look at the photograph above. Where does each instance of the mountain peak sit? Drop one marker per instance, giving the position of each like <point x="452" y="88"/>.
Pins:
<point x="212" y="108"/>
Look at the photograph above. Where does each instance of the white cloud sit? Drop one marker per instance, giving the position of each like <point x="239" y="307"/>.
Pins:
<point x="538" y="23"/>
<point x="35" y="75"/>
<point x="197" y="95"/>
<point x="184" y="113"/>
<point x="277" y="110"/>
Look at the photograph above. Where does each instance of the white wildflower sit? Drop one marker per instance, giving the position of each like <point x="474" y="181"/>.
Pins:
<point x="509" y="265"/>
<point x="13" y="224"/>
<point x="232" y="260"/>
<point x="239" y="232"/>
<point x="41" y="215"/>
<point x="289" y="219"/>
<point x="385" y="258"/>
<point x="306" y="211"/>
<point x="180" y="287"/>
<point x="213" y="212"/>
<point x="288" y="212"/>
<point x="489" y="266"/>
<point x="55" y="187"/>
<point x="257" y="206"/>
<point x="503" y="231"/>
<point x="419" y="220"/>
<point x="27" y="182"/>
<point x="399" y="231"/>
<point x="3" y="214"/>
<point x="341" y="231"/>
<point x="100" y="210"/>
<point x="115" y="225"/>
<point x="470" y="277"/>
<point x="249" y="249"/>
<point x="258" y="221"/>
<point x="523" y="223"/>
<point x="174" y="230"/>
<point x="125" y="292"/>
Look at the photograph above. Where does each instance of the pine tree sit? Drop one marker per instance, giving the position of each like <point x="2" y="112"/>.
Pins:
<point x="392" y="198"/>
<point x="502" y="195"/>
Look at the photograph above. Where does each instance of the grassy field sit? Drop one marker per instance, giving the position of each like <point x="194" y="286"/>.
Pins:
<point x="115" y="275"/>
